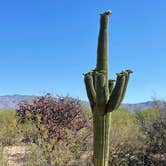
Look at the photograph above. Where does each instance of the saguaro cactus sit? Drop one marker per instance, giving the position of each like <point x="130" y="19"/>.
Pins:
<point x="104" y="95"/>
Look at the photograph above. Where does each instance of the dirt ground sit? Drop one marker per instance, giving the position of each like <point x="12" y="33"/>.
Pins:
<point x="14" y="155"/>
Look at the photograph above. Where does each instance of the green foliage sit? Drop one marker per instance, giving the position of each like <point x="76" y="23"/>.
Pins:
<point x="153" y="124"/>
<point x="135" y="139"/>
<point x="9" y="133"/>
<point x="43" y="149"/>
<point x="58" y="126"/>
<point x="126" y="140"/>
<point x="138" y="138"/>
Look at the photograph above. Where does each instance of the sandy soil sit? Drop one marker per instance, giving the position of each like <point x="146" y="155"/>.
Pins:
<point x="14" y="155"/>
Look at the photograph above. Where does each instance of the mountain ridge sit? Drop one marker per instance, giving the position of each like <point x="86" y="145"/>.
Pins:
<point x="11" y="101"/>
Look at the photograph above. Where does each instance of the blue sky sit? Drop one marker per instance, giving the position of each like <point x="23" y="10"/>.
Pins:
<point x="45" y="46"/>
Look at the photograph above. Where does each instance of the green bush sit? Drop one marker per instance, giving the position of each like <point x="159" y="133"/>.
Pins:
<point x="127" y="141"/>
<point x="136" y="139"/>
<point x="152" y="123"/>
<point x="9" y="130"/>
<point x="61" y="128"/>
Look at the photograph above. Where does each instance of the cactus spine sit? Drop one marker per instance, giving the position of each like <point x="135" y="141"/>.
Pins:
<point x="104" y="95"/>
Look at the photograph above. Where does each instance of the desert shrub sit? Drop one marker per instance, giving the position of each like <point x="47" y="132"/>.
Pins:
<point x="54" y="114"/>
<point x="153" y="125"/>
<point x="63" y="128"/>
<point x="9" y="130"/>
<point x="146" y="119"/>
<point x="58" y="131"/>
<point x="127" y="141"/>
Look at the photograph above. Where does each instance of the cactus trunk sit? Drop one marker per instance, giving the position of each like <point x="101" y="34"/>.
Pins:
<point x="103" y="95"/>
<point x="101" y="129"/>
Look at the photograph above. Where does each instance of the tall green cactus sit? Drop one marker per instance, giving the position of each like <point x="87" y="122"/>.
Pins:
<point x="103" y="95"/>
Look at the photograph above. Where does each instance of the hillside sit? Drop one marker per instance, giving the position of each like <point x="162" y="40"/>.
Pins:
<point x="136" y="106"/>
<point x="11" y="101"/>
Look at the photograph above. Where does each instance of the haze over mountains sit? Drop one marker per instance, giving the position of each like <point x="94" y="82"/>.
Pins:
<point x="11" y="101"/>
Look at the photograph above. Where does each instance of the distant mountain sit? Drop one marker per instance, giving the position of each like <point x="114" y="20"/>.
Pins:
<point x="138" y="106"/>
<point x="11" y="101"/>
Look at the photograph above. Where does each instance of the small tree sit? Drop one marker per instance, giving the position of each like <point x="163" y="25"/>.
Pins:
<point x="54" y="113"/>
<point x="61" y="124"/>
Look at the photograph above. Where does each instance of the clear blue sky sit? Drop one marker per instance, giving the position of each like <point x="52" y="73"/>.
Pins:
<point x="45" y="46"/>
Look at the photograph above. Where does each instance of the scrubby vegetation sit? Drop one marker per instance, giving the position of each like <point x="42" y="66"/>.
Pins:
<point x="57" y="131"/>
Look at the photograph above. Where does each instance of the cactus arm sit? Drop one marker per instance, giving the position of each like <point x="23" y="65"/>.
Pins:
<point x="111" y="86"/>
<point x="115" y="98"/>
<point x="94" y="73"/>
<point x="91" y="93"/>
<point x="127" y="76"/>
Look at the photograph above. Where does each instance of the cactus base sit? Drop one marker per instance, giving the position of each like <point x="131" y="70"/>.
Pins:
<point x="101" y="129"/>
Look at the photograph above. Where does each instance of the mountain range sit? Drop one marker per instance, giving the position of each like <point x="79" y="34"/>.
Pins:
<point x="11" y="101"/>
